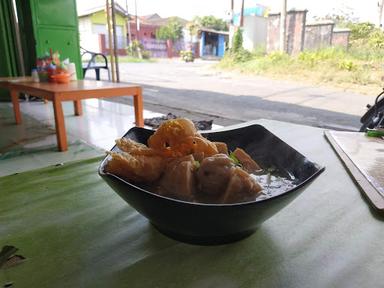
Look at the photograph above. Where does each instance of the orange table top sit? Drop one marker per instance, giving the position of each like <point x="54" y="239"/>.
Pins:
<point x="73" y="86"/>
<point x="6" y="81"/>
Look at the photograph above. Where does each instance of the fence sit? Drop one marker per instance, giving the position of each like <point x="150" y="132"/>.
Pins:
<point x="295" y="31"/>
<point x="302" y="36"/>
<point x="157" y="48"/>
<point x="163" y="48"/>
<point x="318" y="35"/>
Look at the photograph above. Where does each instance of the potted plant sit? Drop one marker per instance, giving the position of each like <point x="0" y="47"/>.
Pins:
<point x="187" y="56"/>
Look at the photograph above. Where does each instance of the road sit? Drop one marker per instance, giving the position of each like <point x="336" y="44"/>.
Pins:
<point x="198" y="89"/>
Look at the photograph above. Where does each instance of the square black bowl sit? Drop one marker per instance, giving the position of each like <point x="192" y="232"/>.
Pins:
<point x="209" y="224"/>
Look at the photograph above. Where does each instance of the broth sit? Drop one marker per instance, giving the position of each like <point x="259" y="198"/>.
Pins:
<point x="273" y="183"/>
<point x="270" y="180"/>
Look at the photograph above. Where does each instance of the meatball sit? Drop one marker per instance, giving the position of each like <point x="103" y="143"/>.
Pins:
<point x="178" y="180"/>
<point x="241" y="188"/>
<point x="214" y="174"/>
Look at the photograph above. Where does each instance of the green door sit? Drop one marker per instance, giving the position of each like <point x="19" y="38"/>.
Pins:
<point x="55" y="27"/>
<point x="64" y="41"/>
<point x="8" y="56"/>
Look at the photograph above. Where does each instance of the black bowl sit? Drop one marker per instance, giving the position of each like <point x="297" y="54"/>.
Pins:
<point x="209" y="224"/>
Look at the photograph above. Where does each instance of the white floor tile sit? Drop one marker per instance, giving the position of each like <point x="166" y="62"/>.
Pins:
<point x="101" y="123"/>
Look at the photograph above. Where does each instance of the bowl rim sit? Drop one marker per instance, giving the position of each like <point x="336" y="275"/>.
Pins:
<point x="320" y="169"/>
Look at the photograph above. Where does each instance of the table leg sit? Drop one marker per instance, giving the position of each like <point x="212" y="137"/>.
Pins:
<point x="16" y="105"/>
<point x="78" y="107"/>
<point x="138" y="105"/>
<point x="60" y="125"/>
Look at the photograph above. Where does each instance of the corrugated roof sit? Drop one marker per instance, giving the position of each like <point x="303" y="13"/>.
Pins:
<point x="85" y="11"/>
<point x="151" y="16"/>
<point x="214" y="31"/>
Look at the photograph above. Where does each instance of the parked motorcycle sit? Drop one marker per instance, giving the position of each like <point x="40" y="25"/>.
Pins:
<point x="373" y="120"/>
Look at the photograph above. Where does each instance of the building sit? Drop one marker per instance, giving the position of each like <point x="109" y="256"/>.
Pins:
<point x="145" y="27"/>
<point x="212" y="43"/>
<point x="93" y="29"/>
<point x="94" y="34"/>
<point x="255" y="26"/>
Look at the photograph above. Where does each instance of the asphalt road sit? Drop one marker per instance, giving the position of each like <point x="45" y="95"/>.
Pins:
<point x="197" y="90"/>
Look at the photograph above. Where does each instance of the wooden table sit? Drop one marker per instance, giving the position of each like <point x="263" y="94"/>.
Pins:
<point x="5" y="81"/>
<point x="74" y="91"/>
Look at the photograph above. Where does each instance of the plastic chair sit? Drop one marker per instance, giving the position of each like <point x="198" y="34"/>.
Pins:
<point x="91" y="64"/>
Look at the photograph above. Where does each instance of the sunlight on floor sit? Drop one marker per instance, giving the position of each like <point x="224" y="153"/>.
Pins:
<point x="101" y="123"/>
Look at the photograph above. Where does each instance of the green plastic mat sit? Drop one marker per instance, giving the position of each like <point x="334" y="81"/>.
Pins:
<point x="31" y="133"/>
<point x="28" y="159"/>
<point x="71" y="228"/>
<point x="33" y="145"/>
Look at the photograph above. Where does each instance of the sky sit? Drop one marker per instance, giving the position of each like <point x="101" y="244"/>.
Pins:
<point x="364" y="10"/>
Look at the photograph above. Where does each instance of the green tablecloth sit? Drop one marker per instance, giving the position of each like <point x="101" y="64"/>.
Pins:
<point x="76" y="232"/>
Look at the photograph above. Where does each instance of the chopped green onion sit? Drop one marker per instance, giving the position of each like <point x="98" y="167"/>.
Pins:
<point x="234" y="159"/>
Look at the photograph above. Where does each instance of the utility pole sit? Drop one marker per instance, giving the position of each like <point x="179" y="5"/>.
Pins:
<point x="137" y="33"/>
<point x="283" y="17"/>
<point x="115" y="41"/>
<point x="128" y="25"/>
<point x="137" y="23"/>
<point x="232" y="10"/>
<point x="380" y="5"/>
<point x="242" y="14"/>
<point x="110" y="44"/>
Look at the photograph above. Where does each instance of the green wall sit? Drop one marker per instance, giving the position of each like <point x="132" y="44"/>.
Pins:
<point x="101" y="18"/>
<point x="55" y="27"/>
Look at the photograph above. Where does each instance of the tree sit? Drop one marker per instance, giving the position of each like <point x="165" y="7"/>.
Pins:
<point x="366" y="35"/>
<point x="237" y="52"/>
<point x="172" y="31"/>
<point x="361" y="30"/>
<point x="192" y="28"/>
<point x="211" y="22"/>
<point x="237" y="44"/>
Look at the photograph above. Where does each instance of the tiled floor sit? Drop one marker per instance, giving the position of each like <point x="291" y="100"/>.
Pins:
<point x="33" y="143"/>
<point x="101" y="123"/>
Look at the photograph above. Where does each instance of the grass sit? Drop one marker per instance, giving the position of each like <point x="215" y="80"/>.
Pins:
<point x="129" y="59"/>
<point x="358" y="70"/>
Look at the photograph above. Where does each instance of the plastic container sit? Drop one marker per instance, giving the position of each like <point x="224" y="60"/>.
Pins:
<point x="72" y="71"/>
<point x="35" y="75"/>
<point x="43" y="76"/>
<point x="61" y="78"/>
